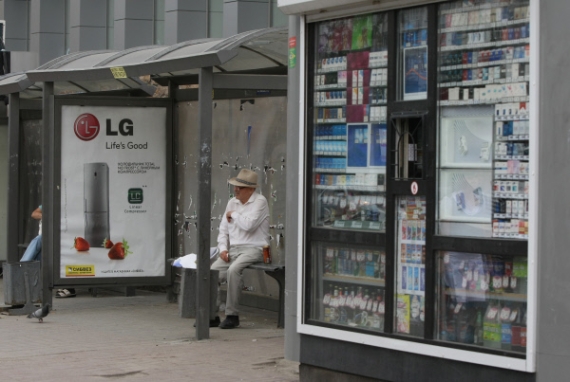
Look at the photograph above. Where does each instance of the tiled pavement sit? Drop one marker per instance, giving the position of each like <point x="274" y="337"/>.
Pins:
<point x="140" y="338"/>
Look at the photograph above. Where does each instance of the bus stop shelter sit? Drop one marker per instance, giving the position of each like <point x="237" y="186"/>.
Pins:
<point x="201" y="70"/>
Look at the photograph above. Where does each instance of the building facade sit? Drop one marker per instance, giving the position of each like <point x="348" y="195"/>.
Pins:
<point x="53" y="28"/>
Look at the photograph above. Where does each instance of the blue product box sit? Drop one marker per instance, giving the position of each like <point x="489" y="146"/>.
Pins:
<point x="423" y="37"/>
<point x="416" y="278"/>
<point x="506" y="333"/>
<point x="411" y="279"/>
<point x="369" y="269"/>
<point x="505" y="14"/>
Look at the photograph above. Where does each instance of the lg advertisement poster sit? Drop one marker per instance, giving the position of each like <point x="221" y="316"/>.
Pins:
<point x="113" y="190"/>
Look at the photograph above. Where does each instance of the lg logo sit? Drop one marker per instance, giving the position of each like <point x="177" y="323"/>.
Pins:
<point x="87" y="127"/>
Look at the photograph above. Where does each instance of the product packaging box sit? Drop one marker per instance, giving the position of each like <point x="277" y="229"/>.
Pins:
<point x="342" y="78"/>
<point x="453" y="94"/>
<point x="358" y="60"/>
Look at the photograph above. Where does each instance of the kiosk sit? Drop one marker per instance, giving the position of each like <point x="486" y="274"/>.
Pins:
<point x="429" y="248"/>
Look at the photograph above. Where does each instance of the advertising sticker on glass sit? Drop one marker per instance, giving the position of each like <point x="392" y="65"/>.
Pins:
<point x="415" y="73"/>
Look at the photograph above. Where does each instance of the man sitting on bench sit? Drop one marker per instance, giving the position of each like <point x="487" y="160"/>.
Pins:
<point x="244" y="230"/>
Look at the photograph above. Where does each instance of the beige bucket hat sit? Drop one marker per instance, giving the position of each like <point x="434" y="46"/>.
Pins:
<point x="245" y="178"/>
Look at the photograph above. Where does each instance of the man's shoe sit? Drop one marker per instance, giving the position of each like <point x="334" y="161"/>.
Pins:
<point x="230" y="322"/>
<point x="213" y="323"/>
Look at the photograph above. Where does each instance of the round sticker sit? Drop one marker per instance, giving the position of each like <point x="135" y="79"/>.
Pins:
<point x="414" y="187"/>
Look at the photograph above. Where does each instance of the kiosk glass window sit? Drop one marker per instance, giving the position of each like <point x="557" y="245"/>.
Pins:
<point x="482" y="300"/>
<point x="348" y="286"/>
<point x="483" y="81"/>
<point x="349" y="126"/>
<point x="410" y="266"/>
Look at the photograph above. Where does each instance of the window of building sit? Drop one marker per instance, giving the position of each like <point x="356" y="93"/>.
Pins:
<point x="158" y="22"/>
<point x="110" y="29"/>
<point x="277" y="18"/>
<point x="215" y="18"/>
<point x="67" y="27"/>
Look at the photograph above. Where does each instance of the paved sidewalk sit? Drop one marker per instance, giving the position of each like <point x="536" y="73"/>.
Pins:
<point x="140" y="338"/>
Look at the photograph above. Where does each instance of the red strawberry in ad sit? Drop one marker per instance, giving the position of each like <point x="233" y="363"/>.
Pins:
<point x="119" y="251"/>
<point x="80" y="244"/>
<point x="107" y="243"/>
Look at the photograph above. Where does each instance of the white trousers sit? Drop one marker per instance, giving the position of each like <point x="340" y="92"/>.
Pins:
<point x="232" y="272"/>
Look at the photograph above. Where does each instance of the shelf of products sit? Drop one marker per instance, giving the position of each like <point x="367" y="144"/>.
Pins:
<point x="351" y="291"/>
<point x="484" y="47"/>
<point x="356" y="207"/>
<point x="483" y="300"/>
<point x="476" y="26"/>
<point x="511" y="170"/>
<point x="488" y="296"/>
<point x="349" y="139"/>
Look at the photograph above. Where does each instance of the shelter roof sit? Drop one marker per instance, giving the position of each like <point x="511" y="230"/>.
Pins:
<point x="260" y="51"/>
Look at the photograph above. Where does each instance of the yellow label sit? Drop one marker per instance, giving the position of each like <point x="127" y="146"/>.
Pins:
<point x="79" y="270"/>
<point x="119" y="72"/>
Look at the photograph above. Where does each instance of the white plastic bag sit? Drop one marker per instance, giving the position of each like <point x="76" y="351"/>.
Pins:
<point x="189" y="261"/>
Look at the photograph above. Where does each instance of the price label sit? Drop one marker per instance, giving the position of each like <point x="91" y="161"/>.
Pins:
<point x="339" y="224"/>
<point x="356" y="224"/>
<point x="374" y="226"/>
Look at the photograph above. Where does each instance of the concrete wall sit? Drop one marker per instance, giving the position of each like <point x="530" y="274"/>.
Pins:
<point x="553" y="348"/>
<point x="185" y="20"/>
<point x="88" y="25"/>
<point x="47" y="29"/>
<point x="16" y="15"/>
<point x="133" y="23"/>
<point x="244" y="15"/>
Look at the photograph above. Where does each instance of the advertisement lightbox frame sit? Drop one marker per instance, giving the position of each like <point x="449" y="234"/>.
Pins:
<point x="59" y="103"/>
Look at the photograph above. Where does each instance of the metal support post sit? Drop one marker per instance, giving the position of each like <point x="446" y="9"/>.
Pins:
<point x="48" y="223"/>
<point x="204" y="204"/>
<point x="13" y="238"/>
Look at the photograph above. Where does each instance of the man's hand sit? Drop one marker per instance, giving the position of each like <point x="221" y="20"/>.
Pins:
<point x="229" y="216"/>
<point x="224" y="255"/>
<point x="37" y="214"/>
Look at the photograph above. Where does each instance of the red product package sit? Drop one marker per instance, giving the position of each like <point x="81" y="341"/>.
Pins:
<point x="357" y="60"/>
